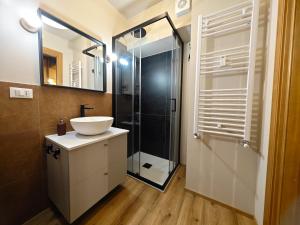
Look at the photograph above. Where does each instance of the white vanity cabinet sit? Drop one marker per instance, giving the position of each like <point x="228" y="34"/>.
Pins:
<point x="83" y="169"/>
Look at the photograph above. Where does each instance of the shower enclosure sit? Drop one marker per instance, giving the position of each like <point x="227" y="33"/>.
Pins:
<point x="146" y="97"/>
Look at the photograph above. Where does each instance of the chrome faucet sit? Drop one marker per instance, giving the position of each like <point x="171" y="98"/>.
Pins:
<point x="82" y="110"/>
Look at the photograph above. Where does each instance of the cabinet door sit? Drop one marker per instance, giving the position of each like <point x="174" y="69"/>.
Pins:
<point x="88" y="177"/>
<point x="117" y="161"/>
<point x="57" y="175"/>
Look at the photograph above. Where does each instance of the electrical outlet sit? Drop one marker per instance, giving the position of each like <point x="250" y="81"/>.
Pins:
<point x="15" y="92"/>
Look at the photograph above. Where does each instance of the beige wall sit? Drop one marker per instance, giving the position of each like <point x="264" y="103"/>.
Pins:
<point x="157" y="9"/>
<point x="19" y="49"/>
<point x="219" y="168"/>
<point x="97" y="18"/>
<point x="184" y="103"/>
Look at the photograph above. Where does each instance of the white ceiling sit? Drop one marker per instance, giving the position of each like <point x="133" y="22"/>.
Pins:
<point x="130" y="8"/>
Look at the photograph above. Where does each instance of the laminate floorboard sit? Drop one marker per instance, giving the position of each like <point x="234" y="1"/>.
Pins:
<point x="135" y="203"/>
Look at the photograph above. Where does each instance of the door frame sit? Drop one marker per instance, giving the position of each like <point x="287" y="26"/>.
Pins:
<point x="59" y="63"/>
<point x="280" y="108"/>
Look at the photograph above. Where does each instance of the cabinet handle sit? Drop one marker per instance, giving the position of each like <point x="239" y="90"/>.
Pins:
<point x="56" y="153"/>
<point x="105" y="145"/>
<point x="49" y="149"/>
<point x="105" y="174"/>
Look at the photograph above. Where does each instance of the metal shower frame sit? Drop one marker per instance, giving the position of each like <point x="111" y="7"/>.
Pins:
<point x="146" y="23"/>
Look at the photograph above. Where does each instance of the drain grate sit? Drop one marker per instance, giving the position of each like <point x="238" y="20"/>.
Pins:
<point x="147" y="165"/>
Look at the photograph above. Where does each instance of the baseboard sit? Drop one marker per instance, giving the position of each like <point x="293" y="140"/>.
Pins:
<point x="221" y="204"/>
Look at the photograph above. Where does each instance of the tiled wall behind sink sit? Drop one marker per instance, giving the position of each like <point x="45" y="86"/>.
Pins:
<point x="23" y="125"/>
<point x="56" y="103"/>
<point x="21" y="187"/>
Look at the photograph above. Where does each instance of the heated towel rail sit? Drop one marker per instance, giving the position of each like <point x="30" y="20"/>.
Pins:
<point x="75" y="70"/>
<point x="226" y="111"/>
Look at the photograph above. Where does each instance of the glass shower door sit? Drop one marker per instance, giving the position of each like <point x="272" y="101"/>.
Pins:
<point x="175" y="104"/>
<point x="127" y="96"/>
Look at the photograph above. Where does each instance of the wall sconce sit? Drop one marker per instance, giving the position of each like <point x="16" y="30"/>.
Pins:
<point x="31" y="23"/>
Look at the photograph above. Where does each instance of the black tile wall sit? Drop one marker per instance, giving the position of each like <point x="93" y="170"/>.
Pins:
<point x="155" y="104"/>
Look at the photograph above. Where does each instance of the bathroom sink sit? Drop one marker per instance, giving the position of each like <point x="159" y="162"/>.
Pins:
<point x="91" y="125"/>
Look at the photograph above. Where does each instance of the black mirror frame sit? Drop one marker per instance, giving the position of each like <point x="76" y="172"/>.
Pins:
<point x="40" y="41"/>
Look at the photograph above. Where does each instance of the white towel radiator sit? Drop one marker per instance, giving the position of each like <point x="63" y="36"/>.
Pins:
<point x="226" y="111"/>
<point x="75" y="73"/>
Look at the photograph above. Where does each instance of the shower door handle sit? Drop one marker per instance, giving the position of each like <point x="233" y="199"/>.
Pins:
<point x="173" y="104"/>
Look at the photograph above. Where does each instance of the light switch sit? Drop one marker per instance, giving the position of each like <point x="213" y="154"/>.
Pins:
<point x="15" y="92"/>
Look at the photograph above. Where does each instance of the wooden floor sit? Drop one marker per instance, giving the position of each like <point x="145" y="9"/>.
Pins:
<point x="136" y="203"/>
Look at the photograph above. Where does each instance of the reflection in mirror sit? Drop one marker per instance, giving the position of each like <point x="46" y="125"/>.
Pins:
<point x="69" y="57"/>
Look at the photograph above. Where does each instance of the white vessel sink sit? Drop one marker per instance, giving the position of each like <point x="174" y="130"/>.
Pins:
<point x="91" y="125"/>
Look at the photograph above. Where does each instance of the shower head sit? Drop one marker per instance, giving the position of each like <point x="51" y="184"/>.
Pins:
<point x="139" y="33"/>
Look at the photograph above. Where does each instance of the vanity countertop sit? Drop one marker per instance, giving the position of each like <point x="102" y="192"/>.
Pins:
<point x="72" y="140"/>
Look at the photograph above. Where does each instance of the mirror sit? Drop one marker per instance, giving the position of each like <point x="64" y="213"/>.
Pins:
<point x="69" y="57"/>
